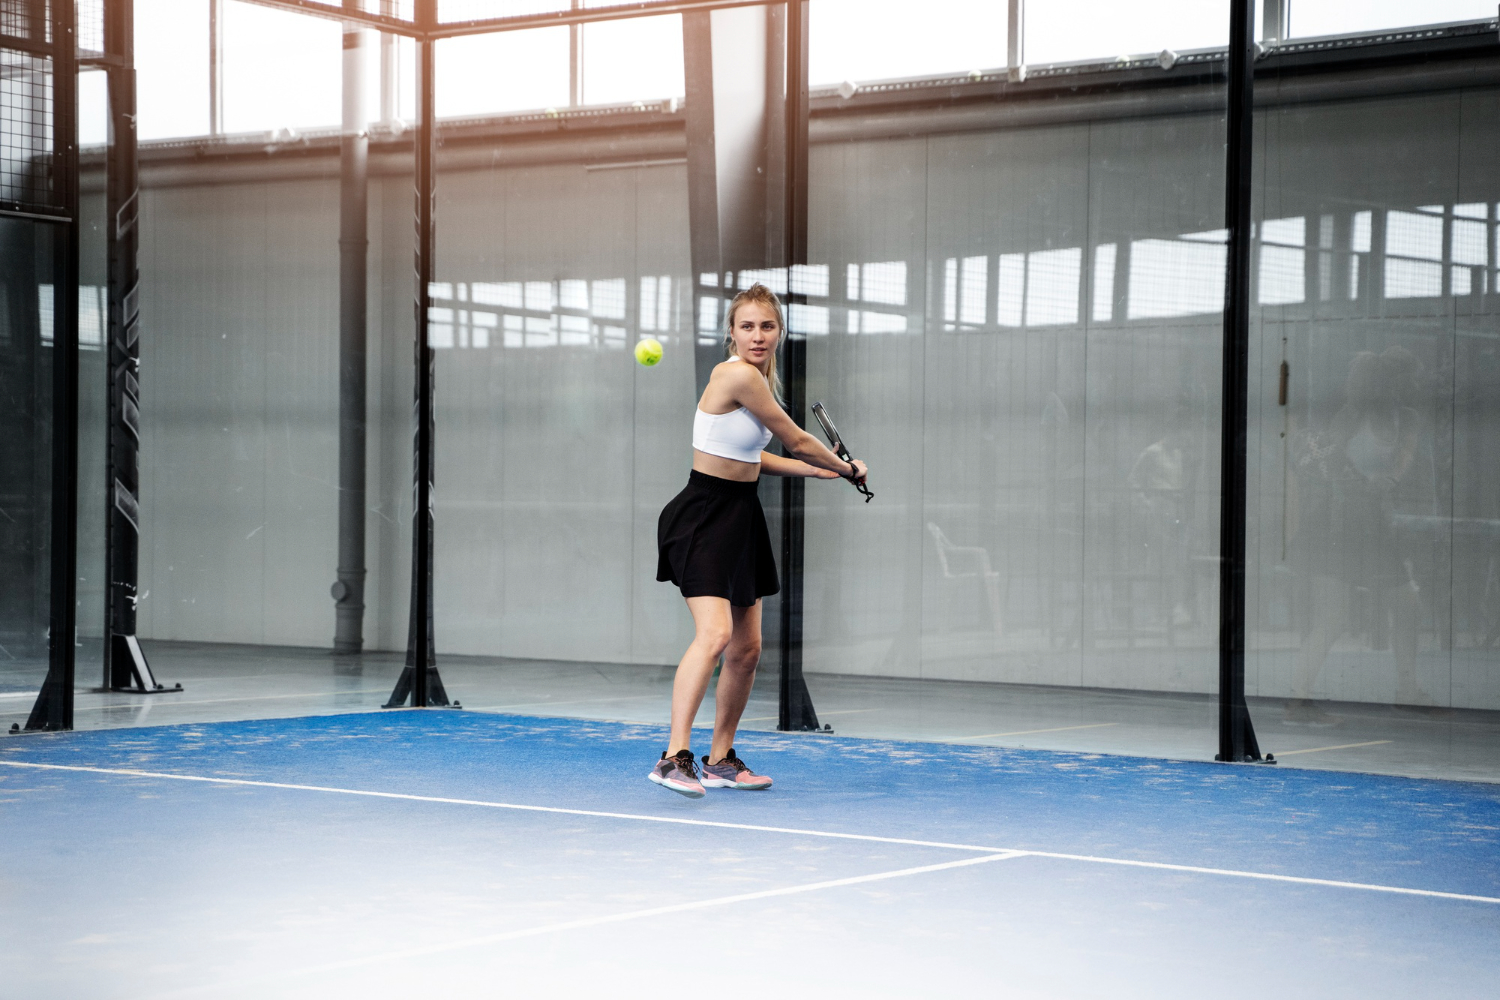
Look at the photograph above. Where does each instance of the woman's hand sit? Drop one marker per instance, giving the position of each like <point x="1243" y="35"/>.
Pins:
<point x="862" y="469"/>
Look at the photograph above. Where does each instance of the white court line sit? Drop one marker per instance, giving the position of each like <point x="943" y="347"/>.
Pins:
<point x="1341" y="746"/>
<point x="754" y="828"/>
<point x="564" y="701"/>
<point x="1028" y="732"/>
<point x="617" y="918"/>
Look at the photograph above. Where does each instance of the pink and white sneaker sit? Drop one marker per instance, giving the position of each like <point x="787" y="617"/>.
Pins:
<point x="731" y="772"/>
<point x="678" y="773"/>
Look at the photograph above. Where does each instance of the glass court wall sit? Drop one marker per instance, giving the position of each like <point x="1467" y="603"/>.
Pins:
<point x="32" y="231"/>
<point x="1012" y="305"/>
<point x="1024" y="325"/>
<point x="1373" y="485"/>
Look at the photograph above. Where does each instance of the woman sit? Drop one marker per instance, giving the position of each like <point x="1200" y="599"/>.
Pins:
<point x="713" y="543"/>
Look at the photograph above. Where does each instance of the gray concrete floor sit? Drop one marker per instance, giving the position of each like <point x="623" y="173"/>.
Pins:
<point x="226" y="682"/>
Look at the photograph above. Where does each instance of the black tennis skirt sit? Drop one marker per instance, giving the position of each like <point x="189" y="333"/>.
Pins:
<point x="712" y="541"/>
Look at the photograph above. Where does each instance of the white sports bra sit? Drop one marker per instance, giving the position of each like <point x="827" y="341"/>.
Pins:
<point x="738" y="435"/>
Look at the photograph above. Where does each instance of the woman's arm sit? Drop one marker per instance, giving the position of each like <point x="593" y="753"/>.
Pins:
<point x="749" y="390"/>
<point x="775" y="465"/>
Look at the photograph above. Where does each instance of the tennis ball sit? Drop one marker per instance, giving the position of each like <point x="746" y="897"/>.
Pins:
<point x="648" y="351"/>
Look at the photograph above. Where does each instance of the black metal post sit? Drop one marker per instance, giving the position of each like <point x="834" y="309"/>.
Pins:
<point x="54" y="704"/>
<point x="419" y="679"/>
<point x="125" y="665"/>
<point x="795" y="703"/>
<point x="354" y="149"/>
<point x="1236" y="734"/>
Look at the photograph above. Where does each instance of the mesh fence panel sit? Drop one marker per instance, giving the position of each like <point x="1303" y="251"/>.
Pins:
<point x="90" y="27"/>
<point x="21" y="19"/>
<point x="26" y="122"/>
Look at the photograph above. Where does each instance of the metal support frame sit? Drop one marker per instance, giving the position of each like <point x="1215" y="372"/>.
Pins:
<point x="1236" y="733"/>
<point x="419" y="679"/>
<point x="354" y="153"/>
<point x="420" y="28"/>
<point x="53" y="708"/>
<point x="795" y="709"/>
<point x="125" y="666"/>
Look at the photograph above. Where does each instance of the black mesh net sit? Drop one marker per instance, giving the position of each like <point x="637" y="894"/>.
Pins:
<point x="26" y="101"/>
<point x="25" y="19"/>
<point x="90" y="27"/>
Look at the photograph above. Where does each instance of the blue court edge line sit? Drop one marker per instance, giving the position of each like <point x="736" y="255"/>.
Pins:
<point x="611" y="918"/>
<point x="793" y="831"/>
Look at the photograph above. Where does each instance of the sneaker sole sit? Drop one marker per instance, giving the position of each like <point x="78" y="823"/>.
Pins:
<point x="690" y="793"/>
<point x="726" y="783"/>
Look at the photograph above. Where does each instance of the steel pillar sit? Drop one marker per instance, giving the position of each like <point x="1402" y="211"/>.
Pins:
<point x="419" y="680"/>
<point x="1236" y="734"/>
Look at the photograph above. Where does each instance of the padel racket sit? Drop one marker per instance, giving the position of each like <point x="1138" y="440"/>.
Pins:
<point x="837" y="444"/>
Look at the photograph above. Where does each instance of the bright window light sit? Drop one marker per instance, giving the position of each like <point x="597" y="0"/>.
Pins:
<point x="1070" y="30"/>
<point x="637" y="59"/>
<point x="508" y="71"/>
<point x="1310" y="18"/>
<point x="93" y="108"/>
<point x="861" y="40"/>
<point x="469" y="10"/>
<point x="171" y="58"/>
<point x="281" y="70"/>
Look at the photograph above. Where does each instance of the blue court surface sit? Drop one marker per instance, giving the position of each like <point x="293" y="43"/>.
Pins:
<point x="442" y="853"/>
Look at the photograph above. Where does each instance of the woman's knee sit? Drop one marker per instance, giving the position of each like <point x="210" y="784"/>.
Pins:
<point x="714" y="637"/>
<point x="743" y="654"/>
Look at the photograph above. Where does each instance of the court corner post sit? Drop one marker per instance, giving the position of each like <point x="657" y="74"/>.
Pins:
<point x="1236" y="733"/>
<point x="53" y="708"/>
<point x="795" y="707"/>
<point x="419" y="680"/>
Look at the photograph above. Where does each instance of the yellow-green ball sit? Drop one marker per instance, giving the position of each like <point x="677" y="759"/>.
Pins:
<point x="648" y="351"/>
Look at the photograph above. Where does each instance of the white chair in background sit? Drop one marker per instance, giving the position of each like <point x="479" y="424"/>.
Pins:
<point x="947" y="552"/>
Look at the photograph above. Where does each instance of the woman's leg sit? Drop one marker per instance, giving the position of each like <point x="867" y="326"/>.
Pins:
<point x="736" y="679"/>
<point x="1329" y="610"/>
<point x="713" y="626"/>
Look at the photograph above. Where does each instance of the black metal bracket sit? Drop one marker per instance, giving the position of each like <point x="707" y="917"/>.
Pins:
<point x="129" y="671"/>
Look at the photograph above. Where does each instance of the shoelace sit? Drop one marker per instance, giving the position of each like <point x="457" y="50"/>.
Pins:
<point x="733" y="761"/>
<point x="687" y="765"/>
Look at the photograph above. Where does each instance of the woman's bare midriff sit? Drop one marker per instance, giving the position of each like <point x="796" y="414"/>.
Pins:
<point x="725" y="468"/>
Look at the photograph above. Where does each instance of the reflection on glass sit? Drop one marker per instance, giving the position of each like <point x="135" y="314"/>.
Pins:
<point x="1374" y="439"/>
<point x="93" y="421"/>
<point x="26" y="310"/>
<point x="1040" y="567"/>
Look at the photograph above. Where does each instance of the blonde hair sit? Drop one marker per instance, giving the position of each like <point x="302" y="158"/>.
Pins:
<point x="764" y="296"/>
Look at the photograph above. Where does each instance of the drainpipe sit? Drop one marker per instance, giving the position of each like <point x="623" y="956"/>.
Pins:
<point x="354" y="146"/>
